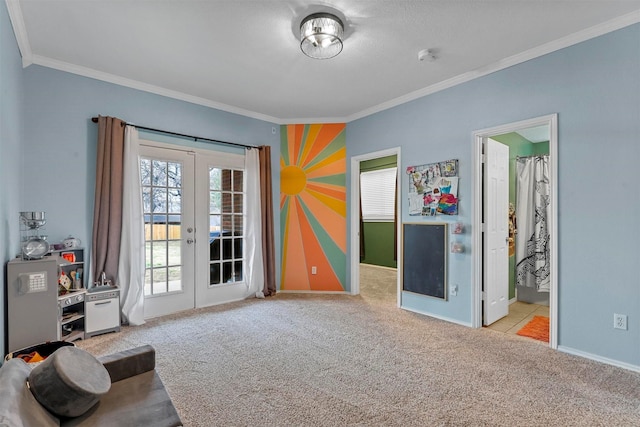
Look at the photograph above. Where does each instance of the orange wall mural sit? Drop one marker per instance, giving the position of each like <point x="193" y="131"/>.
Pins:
<point x="313" y="207"/>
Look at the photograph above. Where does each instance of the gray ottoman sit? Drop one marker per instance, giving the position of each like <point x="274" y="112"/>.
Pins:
<point x="69" y="382"/>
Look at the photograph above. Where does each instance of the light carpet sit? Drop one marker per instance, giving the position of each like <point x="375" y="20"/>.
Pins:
<point x="339" y="360"/>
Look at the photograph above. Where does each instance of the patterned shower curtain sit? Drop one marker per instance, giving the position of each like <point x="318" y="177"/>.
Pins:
<point x="533" y="213"/>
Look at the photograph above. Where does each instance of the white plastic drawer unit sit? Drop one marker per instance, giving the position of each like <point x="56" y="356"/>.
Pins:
<point x="102" y="312"/>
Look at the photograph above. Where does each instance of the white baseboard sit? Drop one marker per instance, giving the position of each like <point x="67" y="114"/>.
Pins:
<point x="436" y="316"/>
<point x="383" y="267"/>
<point x="512" y="300"/>
<point x="600" y="359"/>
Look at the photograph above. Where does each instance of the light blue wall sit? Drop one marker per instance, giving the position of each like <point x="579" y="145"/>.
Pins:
<point x="11" y="119"/>
<point x="60" y="140"/>
<point x="595" y="89"/>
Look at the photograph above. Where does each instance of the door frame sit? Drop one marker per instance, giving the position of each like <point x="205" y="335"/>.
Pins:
<point x="355" y="216"/>
<point x="476" y="224"/>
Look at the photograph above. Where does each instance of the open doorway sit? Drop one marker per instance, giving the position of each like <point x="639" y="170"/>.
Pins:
<point x="515" y="237"/>
<point x="373" y="244"/>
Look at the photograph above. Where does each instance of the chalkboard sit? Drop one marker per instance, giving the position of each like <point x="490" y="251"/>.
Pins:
<point x="424" y="265"/>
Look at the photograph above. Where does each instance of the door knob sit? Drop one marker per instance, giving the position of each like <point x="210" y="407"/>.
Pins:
<point x="190" y="230"/>
<point x="190" y="241"/>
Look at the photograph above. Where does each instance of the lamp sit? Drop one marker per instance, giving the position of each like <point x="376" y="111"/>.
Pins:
<point x="321" y="35"/>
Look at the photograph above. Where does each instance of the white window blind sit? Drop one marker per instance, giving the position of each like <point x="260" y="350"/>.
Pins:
<point x="377" y="194"/>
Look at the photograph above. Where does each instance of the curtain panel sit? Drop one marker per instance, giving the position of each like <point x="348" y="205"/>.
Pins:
<point x="533" y="212"/>
<point x="266" y="207"/>
<point x="107" y="211"/>
<point x="254" y="261"/>
<point x="131" y="265"/>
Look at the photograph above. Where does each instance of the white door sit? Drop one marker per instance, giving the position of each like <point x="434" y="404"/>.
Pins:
<point x="168" y="205"/>
<point x="496" y="231"/>
<point x="220" y="207"/>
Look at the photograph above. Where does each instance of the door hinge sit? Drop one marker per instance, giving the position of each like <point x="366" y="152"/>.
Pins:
<point x="484" y="296"/>
<point x="483" y="158"/>
<point x="482" y="228"/>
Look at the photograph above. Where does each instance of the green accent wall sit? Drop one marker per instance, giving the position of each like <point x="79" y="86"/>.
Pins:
<point x="377" y="164"/>
<point x="378" y="244"/>
<point x="518" y="146"/>
<point x="378" y="236"/>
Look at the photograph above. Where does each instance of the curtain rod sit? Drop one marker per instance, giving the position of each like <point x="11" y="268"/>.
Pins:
<point x="195" y="138"/>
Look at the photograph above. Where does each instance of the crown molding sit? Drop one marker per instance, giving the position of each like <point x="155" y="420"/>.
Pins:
<point x="134" y="84"/>
<point x="570" y="40"/>
<point x="145" y="87"/>
<point x="20" y="31"/>
<point x="28" y="58"/>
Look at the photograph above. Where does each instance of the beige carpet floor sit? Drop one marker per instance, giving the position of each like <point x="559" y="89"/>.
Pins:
<point x="338" y="360"/>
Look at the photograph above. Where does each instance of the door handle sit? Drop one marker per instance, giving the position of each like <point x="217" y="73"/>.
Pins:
<point x="190" y="230"/>
<point x="103" y="302"/>
<point x="190" y="241"/>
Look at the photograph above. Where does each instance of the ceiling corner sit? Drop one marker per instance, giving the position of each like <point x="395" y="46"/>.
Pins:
<point x="20" y="31"/>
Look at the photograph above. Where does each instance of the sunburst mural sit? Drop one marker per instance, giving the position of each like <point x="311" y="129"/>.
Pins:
<point x="313" y="207"/>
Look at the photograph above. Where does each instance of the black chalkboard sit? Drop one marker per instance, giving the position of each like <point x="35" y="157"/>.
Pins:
<point x="424" y="265"/>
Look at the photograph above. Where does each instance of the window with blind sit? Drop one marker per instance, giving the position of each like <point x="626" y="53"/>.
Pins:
<point x="377" y="195"/>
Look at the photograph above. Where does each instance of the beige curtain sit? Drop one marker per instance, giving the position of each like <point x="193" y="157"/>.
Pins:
<point x="107" y="210"/>
<point x="266" y="206"/>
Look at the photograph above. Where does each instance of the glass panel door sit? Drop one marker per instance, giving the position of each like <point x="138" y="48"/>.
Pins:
<point x="226" y="222"/>
<point x="167" y="196"/>
<point x="220" y="204"/>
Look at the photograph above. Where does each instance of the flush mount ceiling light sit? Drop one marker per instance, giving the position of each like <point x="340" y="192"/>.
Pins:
<point x="321" y="35"/>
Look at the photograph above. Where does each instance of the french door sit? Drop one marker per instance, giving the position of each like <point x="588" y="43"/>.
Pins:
<point x="220" y="207"/>
<point x="194" y="213"/>
<point x="168" y="193"/>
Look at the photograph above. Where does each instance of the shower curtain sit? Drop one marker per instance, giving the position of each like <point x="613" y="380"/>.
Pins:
<point x="533" y="213"/>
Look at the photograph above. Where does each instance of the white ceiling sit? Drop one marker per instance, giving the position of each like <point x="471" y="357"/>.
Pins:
<point x="536" y="133"/>
<point x="243" y="56"/>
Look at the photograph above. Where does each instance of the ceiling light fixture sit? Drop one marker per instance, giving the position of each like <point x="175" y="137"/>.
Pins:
<point x="321" y="35"/>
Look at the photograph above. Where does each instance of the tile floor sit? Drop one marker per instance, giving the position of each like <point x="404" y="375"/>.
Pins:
<point x="520" y="313"/>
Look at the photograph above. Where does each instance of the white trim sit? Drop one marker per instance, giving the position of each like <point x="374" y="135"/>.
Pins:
<point x="381" y="267"/>
<point x="20" y="31"/>
<point x="595" y="357"/>
<point x="355" y="216"/>
<point x="221" y="302"/>
<point x="436" y="316"/>
<point x="134" y="84"/>
<point x="19" y="28"/>
<point x="476" y="235"/>
<point x="555" y="45"/>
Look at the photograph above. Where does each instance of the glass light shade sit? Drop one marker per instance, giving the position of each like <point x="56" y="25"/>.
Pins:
<point x="321" y="36"/>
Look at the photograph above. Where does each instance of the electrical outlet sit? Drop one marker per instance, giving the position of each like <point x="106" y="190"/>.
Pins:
<point x="314" y="270"/>
<point x="620" y="321"/>
<point x="454" y="290"/>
